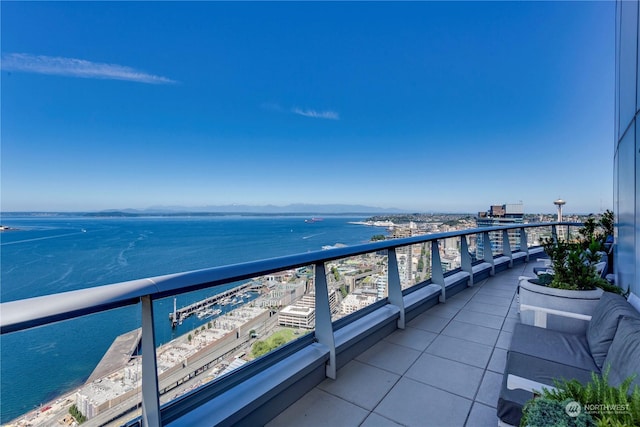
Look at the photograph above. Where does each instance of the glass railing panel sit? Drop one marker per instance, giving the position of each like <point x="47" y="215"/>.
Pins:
<point x="495" y="238"/>
<point x="514" y="239"/>
<point x="356" y="282"/>
<point x="216" y="331"/>
<point x="537" y="235"/>
<point x="472" y="247"/>
<point x="422" y="263"/>
<point x="69" y="370"/>
<point x="288" y="301"/>
<point x="476" y="247"/>
<point x="571" y="234"/>
<point x="414" y="264"/>
<point x="194" y="333"/>
<point x="450" y="258"/>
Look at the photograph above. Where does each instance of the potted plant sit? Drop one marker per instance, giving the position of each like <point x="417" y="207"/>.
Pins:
<point x="596" y="403"/>
<point x="599" y="230"/>
<point x="574" y="285"/>
<point x="574" y="268"/>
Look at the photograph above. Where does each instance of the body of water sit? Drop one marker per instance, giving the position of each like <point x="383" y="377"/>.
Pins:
<point x="46" y="255"/>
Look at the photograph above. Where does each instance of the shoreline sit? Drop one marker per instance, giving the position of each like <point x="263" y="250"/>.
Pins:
<point x="217" y="341"/>
<point x="374" y="223"/>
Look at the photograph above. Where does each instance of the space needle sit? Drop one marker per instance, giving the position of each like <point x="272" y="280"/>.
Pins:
<point x="559" y="204"/>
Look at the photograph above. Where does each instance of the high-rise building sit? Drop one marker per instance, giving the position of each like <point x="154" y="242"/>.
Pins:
<point x="500" y="215"/>
<point x="626" y="162"/>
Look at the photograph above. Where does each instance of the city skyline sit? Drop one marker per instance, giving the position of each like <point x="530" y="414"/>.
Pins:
<point x="429" y="106"/>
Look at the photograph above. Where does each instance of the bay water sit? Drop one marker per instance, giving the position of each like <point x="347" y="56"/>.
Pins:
<point x="52" y="254"/>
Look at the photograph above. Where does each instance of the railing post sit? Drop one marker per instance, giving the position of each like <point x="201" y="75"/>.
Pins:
<point x="393" y="283"/>
<point x="324" y="326"/>
<point x="506" y="247"/>
<point x="554" y="234"/>
<point x="437" y="275"/>
<point x="465" y="258"/>
<point x="150" y="399"/>
<point x="488" y="253"/>
<point x="524" y="244"/>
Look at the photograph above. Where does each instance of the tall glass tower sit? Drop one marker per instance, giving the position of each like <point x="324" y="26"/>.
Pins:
<point x="500" y="215"/>
<point x="626" y="162"/>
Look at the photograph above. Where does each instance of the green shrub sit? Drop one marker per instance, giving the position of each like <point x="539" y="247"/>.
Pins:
<point x="606" y="404"/>
<point x="274" y="341"/>
<point x="76" y="414"/>
<point x="575" y="268"/>
<point x="544" y="412"/>
<point x="259" y="348"/>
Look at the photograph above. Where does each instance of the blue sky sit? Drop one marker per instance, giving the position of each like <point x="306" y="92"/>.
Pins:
<point x="425" y="106"/>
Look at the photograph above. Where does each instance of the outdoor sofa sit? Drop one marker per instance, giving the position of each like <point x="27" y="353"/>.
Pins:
<point x="537" y="355"/>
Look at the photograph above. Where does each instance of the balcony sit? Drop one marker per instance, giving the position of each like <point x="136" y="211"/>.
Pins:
<point x="433" y="347"/>
<point x="444" y="369"/>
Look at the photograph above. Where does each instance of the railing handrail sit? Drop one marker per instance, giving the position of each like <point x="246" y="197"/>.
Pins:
<point x="37" y="311"/>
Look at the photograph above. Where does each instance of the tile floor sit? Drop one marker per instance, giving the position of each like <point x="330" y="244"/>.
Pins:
<point x="444" y="369"/>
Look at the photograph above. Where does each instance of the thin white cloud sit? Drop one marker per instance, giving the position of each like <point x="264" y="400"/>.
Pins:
<point x="72" y="67"/>
<point x="331" y="115"/>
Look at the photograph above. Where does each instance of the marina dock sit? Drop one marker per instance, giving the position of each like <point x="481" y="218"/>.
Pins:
<point x="229" y="297"/>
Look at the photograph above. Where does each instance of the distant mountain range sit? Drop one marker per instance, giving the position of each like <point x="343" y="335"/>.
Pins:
<point x="299" y="208"/>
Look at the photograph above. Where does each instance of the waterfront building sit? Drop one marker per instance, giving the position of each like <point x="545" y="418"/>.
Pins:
<point x="296" y="316"/>
<point x="303" y="313"/>
<point x="104" y="393"/>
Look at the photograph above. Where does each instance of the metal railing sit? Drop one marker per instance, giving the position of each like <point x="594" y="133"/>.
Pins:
<point x="29" y="313"/>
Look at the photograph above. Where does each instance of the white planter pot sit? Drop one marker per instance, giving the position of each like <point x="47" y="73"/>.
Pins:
<point x="578" y="302"/>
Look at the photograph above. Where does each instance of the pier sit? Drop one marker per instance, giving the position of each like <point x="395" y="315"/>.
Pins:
<point x="221" y="299"/>
<point x="119" y="354"/>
